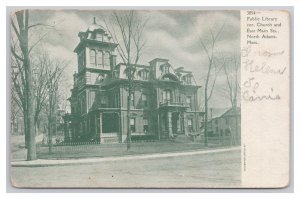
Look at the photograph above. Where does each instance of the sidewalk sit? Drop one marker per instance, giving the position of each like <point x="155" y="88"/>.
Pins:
<point x="46" y="163"/>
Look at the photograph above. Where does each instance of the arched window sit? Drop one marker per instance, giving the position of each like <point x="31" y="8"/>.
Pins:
<point x="106" y="59"/>
<point x="99" y="58"/>
<point x="92" y="57"/>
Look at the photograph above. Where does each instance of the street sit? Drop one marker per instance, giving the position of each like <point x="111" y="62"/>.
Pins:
<point x="193" y="171"/>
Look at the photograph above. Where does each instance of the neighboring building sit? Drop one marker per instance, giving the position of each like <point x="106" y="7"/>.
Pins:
<point x="164" y="102"/>
<point x="225" y="122"/>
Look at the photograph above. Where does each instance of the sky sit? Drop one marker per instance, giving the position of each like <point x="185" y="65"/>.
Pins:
<point x="170" y="34"/>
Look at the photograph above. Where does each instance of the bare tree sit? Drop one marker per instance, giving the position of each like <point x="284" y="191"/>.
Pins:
<point x="53" y="74"/>
<point x="21" y="47"/>
<point x="232" y="89"/>
<point x="16" y="113"/>
<point x="40" y="70"/>
<point x="127" y="29"/>
<point x="23" y="61"/>
<point x="212" y="73"/>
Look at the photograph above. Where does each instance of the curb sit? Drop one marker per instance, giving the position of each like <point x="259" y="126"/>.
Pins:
<point x="47" y="163"/>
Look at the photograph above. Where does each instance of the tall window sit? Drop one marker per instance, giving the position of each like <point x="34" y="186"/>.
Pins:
<point x="144" y="100"/>
<point x="146" y="127"/>
<point x="99" y="58"/>
<point x="93" y="57"/>
<point x="132" y="125"/>
<point x="92" y="98"/>
<point x="189" y="101"/>
<point x="166" y="96"/>
<point x="132" y="99"/>
<point x="190" y="125"/>
<point x="106" y="59"/>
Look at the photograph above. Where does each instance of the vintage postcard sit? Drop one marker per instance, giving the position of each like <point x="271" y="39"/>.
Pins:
<point x="149" y="98"/>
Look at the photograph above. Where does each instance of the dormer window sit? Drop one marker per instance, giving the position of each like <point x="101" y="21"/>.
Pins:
<point x="165" y="69"/>
<point x="143" y="74"/>
<point x="187" y="79"/>
<point x="99" y="37"/>
<point x="105" y="38"/>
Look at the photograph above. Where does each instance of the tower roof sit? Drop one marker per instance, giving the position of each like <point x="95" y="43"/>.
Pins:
<point x="91" y="36"/>
<point x="94" y="26"/>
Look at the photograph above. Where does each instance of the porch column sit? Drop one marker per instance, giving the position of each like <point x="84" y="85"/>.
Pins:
<point x="120" y="127"/>
<point x="157" y="97"/>
<point x="158" y="125"/>
<point x="66" y="129"/>
<point x="95" y="124"/>
<point x="185" y="124"/>
<point x="70" y="131"/>
<point x="170" y="124"/>
<point x="100" y="127"/>
<point x="88" y="125"/>
<point x="179" y="123"/>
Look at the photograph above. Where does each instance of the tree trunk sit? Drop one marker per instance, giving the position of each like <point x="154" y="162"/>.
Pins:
<point x="128" y="119"/>
<point x="36" y="126"/>
<point x="205" y="117"/>
<point x="237" y="137"/>
<point x="50" y="128"/>
<point x="31" y="155"/>
<point x="23" y="17"/>
<point x="25" y="131"/>
<point x="50" y="135"/>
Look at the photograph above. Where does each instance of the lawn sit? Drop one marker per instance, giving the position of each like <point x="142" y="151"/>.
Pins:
<point x="118" y="149"/>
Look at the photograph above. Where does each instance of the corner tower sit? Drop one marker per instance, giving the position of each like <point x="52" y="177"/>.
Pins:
<point x="95" y="53"/>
